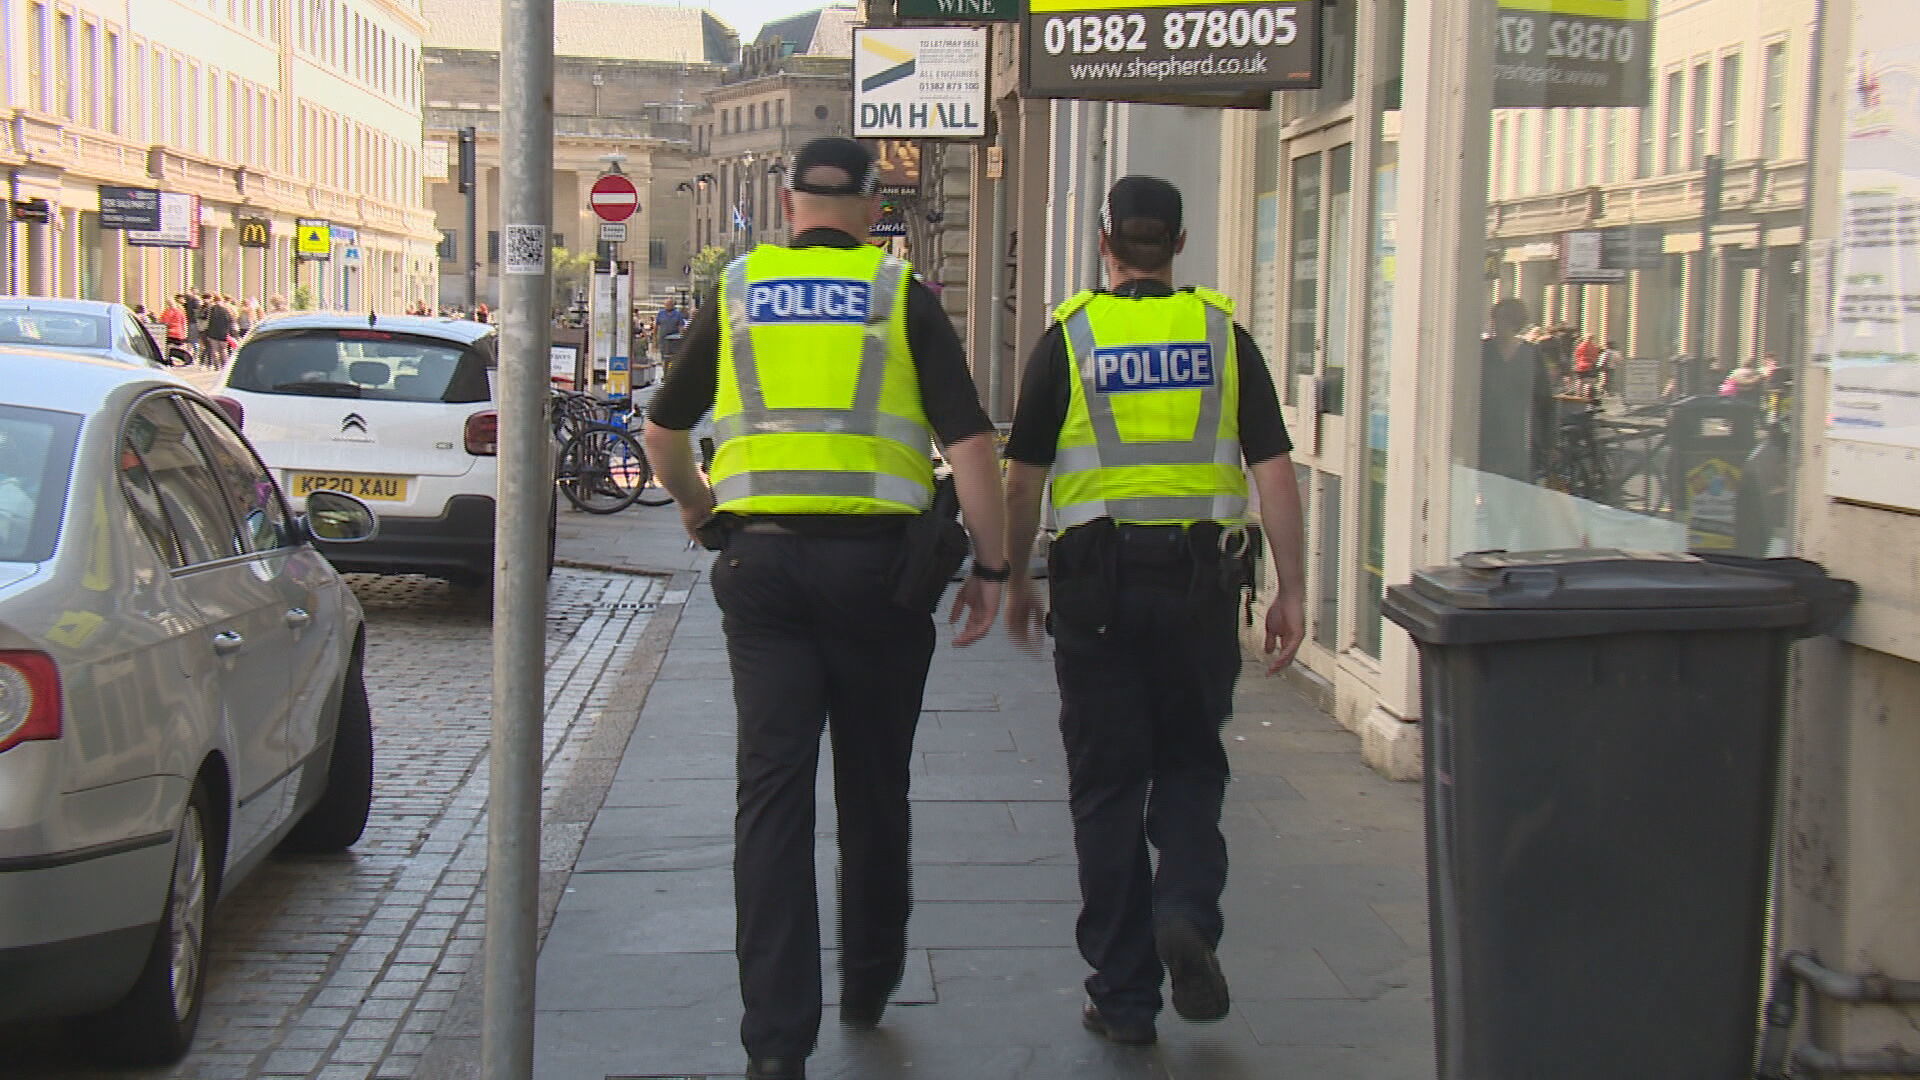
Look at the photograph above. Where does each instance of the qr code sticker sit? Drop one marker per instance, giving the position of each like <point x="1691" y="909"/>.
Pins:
<point x="526" y="249"/>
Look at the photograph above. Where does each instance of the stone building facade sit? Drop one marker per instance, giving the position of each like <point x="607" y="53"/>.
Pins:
<point x="627" y="80"/>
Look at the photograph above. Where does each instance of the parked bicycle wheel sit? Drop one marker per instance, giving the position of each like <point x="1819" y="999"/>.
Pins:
<point x="602" y="469"/>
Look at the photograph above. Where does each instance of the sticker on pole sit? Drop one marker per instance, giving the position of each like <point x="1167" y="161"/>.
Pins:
<point x="920" y="82"/>
<point x="524" y="249"/>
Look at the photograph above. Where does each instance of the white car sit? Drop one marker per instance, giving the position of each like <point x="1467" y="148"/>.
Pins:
<point x="396" y="410"/>
<point x="93" y="327"/>
<point x="180" y="691"/>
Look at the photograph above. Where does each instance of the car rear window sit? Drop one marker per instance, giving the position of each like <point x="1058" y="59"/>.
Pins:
<point x="375" y="364"/>
<point x="54" y="329"/>
<point x="36" y="457"/>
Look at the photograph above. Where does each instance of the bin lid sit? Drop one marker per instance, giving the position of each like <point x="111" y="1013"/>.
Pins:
<point x="1597" y="579"/>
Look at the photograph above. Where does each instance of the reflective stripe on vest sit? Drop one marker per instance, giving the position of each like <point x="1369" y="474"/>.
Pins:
<point x="863" y="419"/>
<point x="1208" y="445"/>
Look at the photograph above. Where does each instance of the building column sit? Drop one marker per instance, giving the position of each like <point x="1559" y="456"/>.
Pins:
<point x="113" y="266"/>
<point x="41" y="252"/>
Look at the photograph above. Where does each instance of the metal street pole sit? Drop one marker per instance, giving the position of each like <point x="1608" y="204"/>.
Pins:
<point x="520" y="534"/>
<point x="468" y="171"/>
<point x="1712" y="183"/>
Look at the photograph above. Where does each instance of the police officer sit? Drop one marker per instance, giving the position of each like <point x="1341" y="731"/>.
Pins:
<point x="1142" y="402"/>
<point x="827" y="369"/>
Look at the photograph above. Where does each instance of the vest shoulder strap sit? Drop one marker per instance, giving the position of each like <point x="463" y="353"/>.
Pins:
<point x="1072" y="304"/>
<point x="1214" y="298"/>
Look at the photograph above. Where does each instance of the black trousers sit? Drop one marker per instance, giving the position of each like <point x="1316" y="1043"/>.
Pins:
<point x="813" y="641"/>
<point x="1147" y="658"/>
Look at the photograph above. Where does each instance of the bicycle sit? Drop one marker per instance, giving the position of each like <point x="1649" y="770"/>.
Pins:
<point x="601" y="469"/>
<point x="577" y="414"/>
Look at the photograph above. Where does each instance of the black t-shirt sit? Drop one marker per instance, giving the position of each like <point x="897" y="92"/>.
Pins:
<point x="947" y="392"/>
<point x="1045" y="391"/>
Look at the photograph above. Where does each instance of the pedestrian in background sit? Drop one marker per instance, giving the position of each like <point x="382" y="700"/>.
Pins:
<point x="669" y="326"/>
<point x="174" y="318"/>
<point x="1143" y="402"/>
<point x="812" y="507"/>
<point x="219" y="332"/>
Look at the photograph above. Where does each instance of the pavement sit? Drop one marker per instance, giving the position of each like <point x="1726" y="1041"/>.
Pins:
<point x="1326" y="921"/>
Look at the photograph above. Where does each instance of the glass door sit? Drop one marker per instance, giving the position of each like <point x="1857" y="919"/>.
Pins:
<point x="1312" y="367"/>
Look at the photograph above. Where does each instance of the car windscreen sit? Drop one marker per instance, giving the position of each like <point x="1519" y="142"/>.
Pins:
<point x="54" y="329"/>
<point x="36" y="458"/>
<point x="378" y="365"/>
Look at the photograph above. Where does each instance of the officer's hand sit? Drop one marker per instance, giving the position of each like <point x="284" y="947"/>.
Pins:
<point x="694" y="513"/>
<point x="1026" y="613"/>
<point x="979" y="600"/>
<point x="1286" y="628"/>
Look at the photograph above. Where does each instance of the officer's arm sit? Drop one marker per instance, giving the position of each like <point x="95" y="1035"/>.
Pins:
<point x="1280" y="520"/>
<point x="1025" y="485"/>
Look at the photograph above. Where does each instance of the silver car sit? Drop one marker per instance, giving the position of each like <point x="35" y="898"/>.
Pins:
<point x="93" y="327"/>
<point x="180" y="691"/>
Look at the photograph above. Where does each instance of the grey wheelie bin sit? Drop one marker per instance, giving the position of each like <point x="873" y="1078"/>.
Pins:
<point x="1601" y="734"/>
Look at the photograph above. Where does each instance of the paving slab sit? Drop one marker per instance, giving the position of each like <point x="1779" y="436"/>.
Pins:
<point x="1325" y="945"/>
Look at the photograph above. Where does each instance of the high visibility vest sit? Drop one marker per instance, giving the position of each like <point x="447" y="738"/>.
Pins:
<point x="818" y="409"/>
<point x="1152" y="433"/>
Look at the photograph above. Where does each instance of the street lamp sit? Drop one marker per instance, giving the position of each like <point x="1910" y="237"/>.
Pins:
<point x="776" y="175"/>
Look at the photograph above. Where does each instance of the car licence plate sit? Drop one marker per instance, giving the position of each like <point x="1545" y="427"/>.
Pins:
<point x="359" y="485"/>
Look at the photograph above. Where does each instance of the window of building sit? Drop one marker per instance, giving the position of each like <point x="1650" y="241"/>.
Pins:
<point x="1697" y="145"/>
<point x="1608" y="122"/>
<point x="111" y="84"/>
<point x="1773" y="141"/>
<point x="37" y="56"/>
<point x="819" y="112"/>
<point x="656" y="253"/>
<point x="723" y="121"/>
<point x="1730" y="106"/>
<point x="1676" y="92"/>
<point x="780" y="113"/>
<point x="63" y="65"/>
<point x="1501" y="180"/>
<point x="89" y="82"/>
<point x="1564" y="151"/>
<point x="1643" y="152"/>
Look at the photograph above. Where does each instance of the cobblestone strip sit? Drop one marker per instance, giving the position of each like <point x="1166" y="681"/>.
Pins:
<point x="343" y="967"/>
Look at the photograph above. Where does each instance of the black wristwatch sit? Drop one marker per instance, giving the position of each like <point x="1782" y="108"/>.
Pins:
<point x="994" y="574"/>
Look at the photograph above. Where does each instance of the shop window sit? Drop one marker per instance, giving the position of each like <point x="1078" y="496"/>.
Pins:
<point x="1339" y="261"/>
<point x="1369" y="578"/>
<point x="1326" y="614"/>
<point x="1303" y="290"/>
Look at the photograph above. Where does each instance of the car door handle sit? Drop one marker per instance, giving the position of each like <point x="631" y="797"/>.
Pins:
<point x="227" y="642"/>
<point x="298" y="617"/>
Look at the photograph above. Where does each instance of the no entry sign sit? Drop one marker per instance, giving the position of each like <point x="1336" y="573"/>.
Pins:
<point x="614" y="197"/>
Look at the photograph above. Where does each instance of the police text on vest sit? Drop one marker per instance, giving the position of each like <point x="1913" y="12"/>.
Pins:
<point x="809" y="300"/>
<point x="1178" y="365"/>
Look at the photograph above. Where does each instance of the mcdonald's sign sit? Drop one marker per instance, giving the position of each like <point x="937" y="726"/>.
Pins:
<point x="255" y="232"/>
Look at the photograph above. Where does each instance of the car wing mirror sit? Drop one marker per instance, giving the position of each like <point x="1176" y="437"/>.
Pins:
<point x="334" y="518"/>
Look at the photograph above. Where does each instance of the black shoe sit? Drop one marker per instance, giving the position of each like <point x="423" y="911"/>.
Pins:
<point x="1199" y="987"/>
<point x="1124" y="1034"/>
<point x="862" y="1012"/>
<point x="776" y="1068"/>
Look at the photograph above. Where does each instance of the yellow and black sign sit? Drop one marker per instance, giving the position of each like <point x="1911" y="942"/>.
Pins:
<point x="255" y="232"/>
<point x="313" y="238"/>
